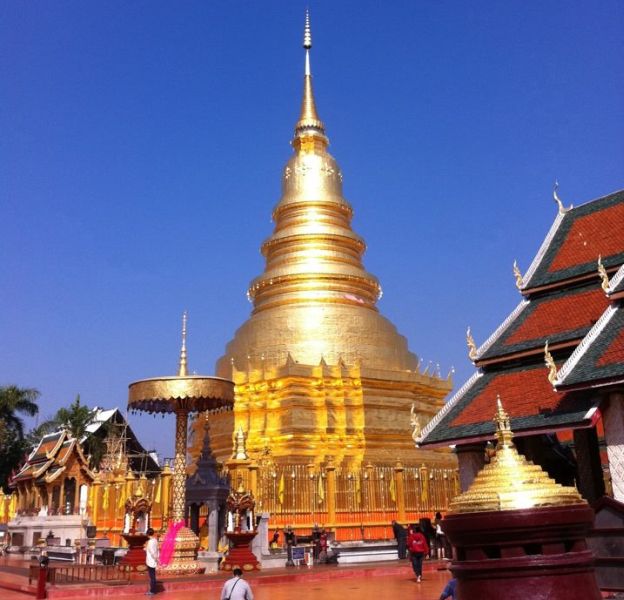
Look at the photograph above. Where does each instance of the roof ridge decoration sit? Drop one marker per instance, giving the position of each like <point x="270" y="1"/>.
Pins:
<point x="604" y="278"/>
<point x="472" y="347"/>
<point x="585" y="344"/>
<point x="517" y="275"/>
<point x="427" y="429"/>
<point x="502" y="327"/>
<point x="549" y="361"/>
<point x="562" y="209"/>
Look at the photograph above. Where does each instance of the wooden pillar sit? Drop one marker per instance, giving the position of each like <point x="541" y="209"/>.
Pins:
<point x="471" y="459"/>
<point x="589" y="482"/>
<point x="613" y="421"/>
<point x="76" y="508"/>
<point x="62" y="497"/>
<point x="400" y="491"/>
<point x="331" y="493"/>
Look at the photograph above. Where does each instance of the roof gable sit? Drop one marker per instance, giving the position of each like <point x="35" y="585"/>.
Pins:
<point x="580" y="236"/>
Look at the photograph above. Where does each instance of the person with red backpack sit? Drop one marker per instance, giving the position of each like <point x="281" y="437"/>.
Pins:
<point x="418" y="549"/>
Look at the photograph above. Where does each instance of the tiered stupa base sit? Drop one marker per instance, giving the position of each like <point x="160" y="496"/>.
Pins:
<point x="537" y="553"/>
<point x="240" y="554"/>
<point x="184" y="559"/>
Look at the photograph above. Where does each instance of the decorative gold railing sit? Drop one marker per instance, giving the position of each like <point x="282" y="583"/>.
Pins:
<point x="356" y="504"/>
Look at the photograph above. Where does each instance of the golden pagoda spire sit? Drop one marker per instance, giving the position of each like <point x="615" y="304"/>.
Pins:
<point x="182" y="370"/>
<point x="309" y="124"/>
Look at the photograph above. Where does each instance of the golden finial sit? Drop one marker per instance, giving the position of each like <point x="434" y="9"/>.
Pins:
<point x="307" y="33"/>
<point x="562" y="209"/>
<point x="182" y="371"/>
<point x="308" y="119"/>
<point x="550" y="363"/>
<point x="603" y="275"/>
<point x="240" y="452"/>
<point x="503" y="429"/>
<point x="472" y="347"/>
<point x="517" y="275"/>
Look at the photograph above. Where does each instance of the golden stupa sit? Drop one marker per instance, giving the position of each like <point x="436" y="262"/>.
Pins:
<point x="319" y="373"/>
<point x="510" y="481"/>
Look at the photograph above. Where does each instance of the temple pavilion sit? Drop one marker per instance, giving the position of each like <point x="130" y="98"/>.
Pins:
<point x="325" y="385"/>
<point x="557" y="361"/>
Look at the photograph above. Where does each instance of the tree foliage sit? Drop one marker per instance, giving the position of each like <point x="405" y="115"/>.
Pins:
<point x="15" y="403"/>
<point x="75" y="418"/>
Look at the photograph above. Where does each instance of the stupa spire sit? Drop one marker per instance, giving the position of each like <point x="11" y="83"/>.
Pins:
<point x="309" y="122"/>
<point x="182" y="369"/>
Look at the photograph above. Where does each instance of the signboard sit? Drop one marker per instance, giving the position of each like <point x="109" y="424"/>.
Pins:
<point x="298" y="552"/>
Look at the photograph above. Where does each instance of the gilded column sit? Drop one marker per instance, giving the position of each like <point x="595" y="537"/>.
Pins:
<point x="424" y="487"/>
<point x="179" y="465"/>
<point x="400" y="491"/>
<point x="331" y="493"/>
<point x="95" y="498"/>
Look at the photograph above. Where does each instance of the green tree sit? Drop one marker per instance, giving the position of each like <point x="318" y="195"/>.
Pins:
<point x="15" y="403"/>
<point x="75" y="419"/>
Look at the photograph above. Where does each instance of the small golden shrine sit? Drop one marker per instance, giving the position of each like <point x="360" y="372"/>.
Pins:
<point x="510" y="481"/>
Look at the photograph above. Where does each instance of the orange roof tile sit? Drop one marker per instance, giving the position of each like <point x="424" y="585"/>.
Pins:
<point x="591" y="235"/>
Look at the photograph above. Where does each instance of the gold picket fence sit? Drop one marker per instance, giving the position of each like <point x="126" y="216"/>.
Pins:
<point x="356" y="504"/>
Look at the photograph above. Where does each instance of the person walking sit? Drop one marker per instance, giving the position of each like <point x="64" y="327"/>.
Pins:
<point x="400" y="535"/>
<point x="236" y="588"/>
<point x="418" y="548"/>
<point x="440" y="537"/>
<point x="151" y="560"/>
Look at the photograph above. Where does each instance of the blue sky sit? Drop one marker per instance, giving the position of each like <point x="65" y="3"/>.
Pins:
<point x="142" y="145"/>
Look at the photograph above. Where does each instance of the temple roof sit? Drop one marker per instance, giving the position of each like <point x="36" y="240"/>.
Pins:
<point x="557" y="318"/>
<point x="533" y="405"/>
<point x="576" y="239"/>
<point x="50" y="458"/>
<point x="599" y="358"/>
<point x="564" y="305"/>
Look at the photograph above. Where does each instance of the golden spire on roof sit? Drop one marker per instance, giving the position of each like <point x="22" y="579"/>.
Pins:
<point x="240" y="450"/>
<point x="182" y="370"/>
<point x="510" y="481"/>
<point x="309" y="123"/>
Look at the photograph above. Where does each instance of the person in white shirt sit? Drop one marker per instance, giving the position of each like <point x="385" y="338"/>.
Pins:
<point x="151" y="560"/>
<point x="236" y="588"/>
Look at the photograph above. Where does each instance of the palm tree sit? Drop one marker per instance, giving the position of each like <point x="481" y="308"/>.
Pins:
<point x="14" y="402"/>
<point x="75" y="419"/>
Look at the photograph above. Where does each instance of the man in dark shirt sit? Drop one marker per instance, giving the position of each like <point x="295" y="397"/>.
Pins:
<point x="400" y="535"/>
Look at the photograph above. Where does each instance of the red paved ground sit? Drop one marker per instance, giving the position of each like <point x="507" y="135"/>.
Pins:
<point x="393" y="579"/>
